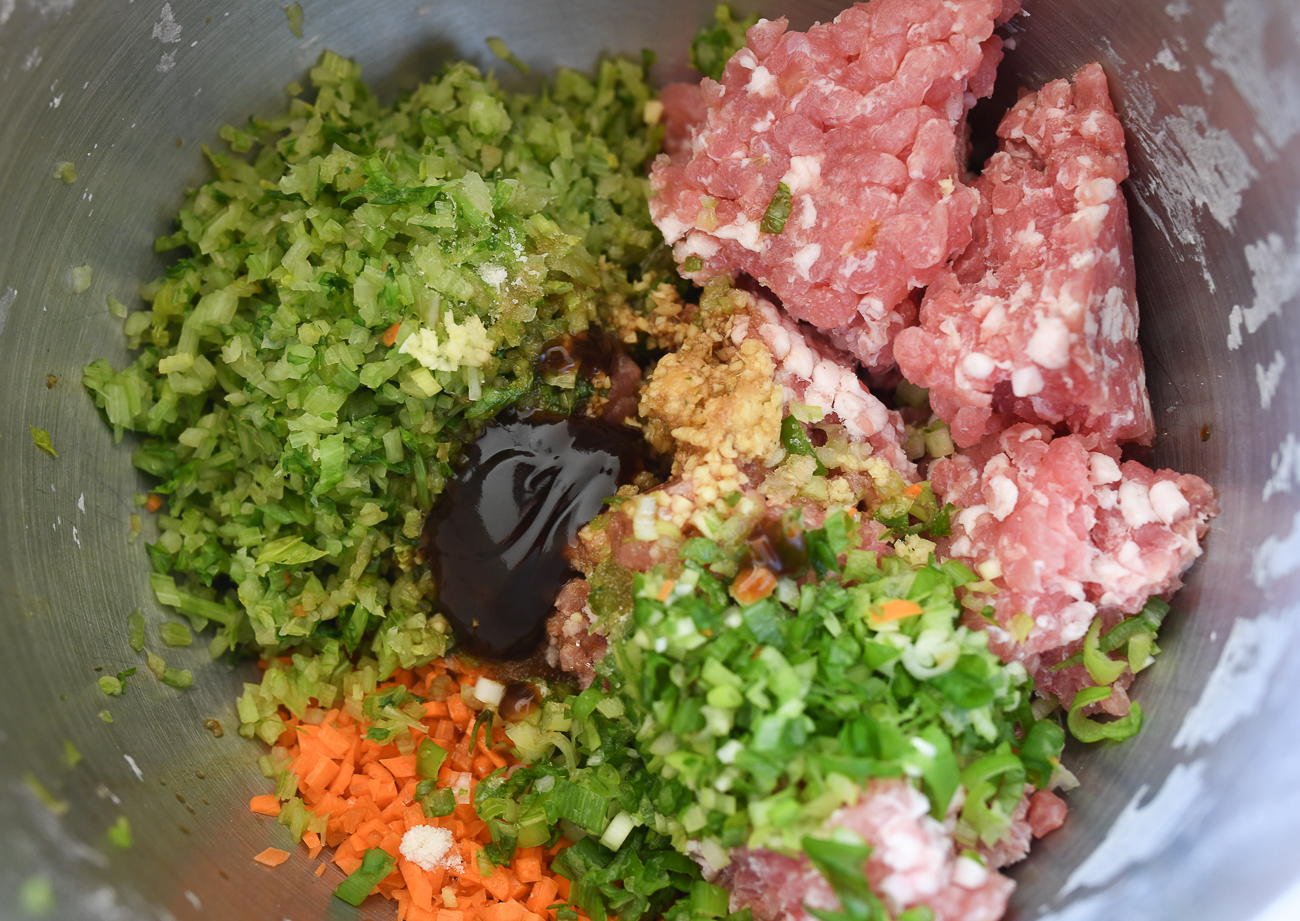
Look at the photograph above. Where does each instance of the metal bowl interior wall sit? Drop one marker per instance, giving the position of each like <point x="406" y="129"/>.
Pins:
<point x="1194" y="818"/>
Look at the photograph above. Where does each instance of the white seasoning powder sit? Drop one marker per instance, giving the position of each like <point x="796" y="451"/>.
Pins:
<point x="427" y="846"/>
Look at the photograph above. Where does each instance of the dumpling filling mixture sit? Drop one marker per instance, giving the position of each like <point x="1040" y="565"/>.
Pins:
<point x="703" y="505"/>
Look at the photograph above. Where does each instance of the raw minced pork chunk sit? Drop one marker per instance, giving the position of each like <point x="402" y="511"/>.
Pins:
<point x="1074" y="533"/>
<point x="863" y="121"/>
<point x="914" y="861"/>
<point x="815" y="373"/>
<point x="1038" y="318"/>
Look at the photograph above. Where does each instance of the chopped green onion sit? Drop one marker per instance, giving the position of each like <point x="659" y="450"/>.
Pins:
<point x="795" y="440"/>
<point x="1089" y="730"/>
<point x="37" y="895"/>
<point x="71" y="757"/>
<point x="294" y="14"/>
<point x="119" y="835"/>
<point x="375" y="865"/>
<point x="135" y="630"/>
<point x="41" y="439"/>
<point x="502" y="50"/>
<point x="46" y="798"/>
<point x="429" y="759"/>
<point x="174" y="634"/>
<point x="778" y="210"/>
<point x="1102" y="669"/>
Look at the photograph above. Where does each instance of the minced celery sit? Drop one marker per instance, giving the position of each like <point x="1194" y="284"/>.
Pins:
<point x="362" y="288"/>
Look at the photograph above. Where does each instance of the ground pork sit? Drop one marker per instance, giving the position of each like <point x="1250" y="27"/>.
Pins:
<point x="1038" y="318"/>
<point x="862" y="121"/>
<point x="814" y="373"/>
<point x="1072" y="531"/>
<point x="914" y="861"/>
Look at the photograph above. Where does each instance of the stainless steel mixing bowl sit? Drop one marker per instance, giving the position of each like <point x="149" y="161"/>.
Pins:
<point x="1195" y="818"/>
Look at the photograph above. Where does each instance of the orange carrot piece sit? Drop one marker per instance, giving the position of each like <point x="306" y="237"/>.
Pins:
<point x="153" y="503"/>
<point x="418" y="884"/>
<point x="528" y="869"/>
<point x="914" y="490"/>
<point x="754" y="583"/>
<point x="266" y="804"/>
<point x="272" y="857"/>
<point x="543" y="895"/>
<point x="401" y="767"/>
<point x="320" y="871"/>
<point x="896" y="609"/>
<point x="390" y="335"/>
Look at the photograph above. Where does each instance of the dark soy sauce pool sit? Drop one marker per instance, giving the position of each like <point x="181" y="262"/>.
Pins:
<point x="496" y="537"/>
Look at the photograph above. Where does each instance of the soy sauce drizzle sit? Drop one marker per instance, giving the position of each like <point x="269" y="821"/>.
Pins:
<point x="496" y="538"/>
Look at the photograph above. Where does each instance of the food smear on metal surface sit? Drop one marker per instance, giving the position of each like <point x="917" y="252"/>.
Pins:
<point x="700" y="505"/>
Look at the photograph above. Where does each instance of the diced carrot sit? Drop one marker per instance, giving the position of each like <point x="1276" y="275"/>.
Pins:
<point x="665" y="590"/>
<point x="390" y="334"/>
<point x="562" y="887"/>
<point x="418" y="884"/>
<point x="266" y="804"/>
<point x="914" y="490"/>
<point x="153" y="503"/>
<point x="509" y="910"/>
<point x="390" y="844"/>
<point x="499" y="883"/>
<point x="362" y="793"/>
<point x="895" y="609"/>
<point x="543" y="895"/>
<point x="528" y="869"/>
<point x="457" y="710"/>
<point x="754" y="583"/>
<point x="401" y="767"/>
<point x="272" y="857"/>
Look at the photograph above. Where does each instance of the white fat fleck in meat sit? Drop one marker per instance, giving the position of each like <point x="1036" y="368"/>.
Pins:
<point x="1085" y="259"/>
<point x="745" y="232"/>
<point x="761" y="83"/>
<point x="808" y="216"/>
<point x="803" y="174"/>
<point x="1102" y="469"/>
<point x="1095" y="191"/>
<point x="700" y="244"/>
<point x="969" y="873"/>
<point x="1075" y="620"/>
<point x="1029" y="238"/>
<point x="977" y="365"/>
<point x="673" y="229"/>
<point x="968" y="516"/>
<point x="993" y="320"/>
<point x="1026" y="381"/>
<point x="1093" y="215"/>
<point x="764" y="124"/>
<point x="805" y="256"/>
<point x="1168" y="501"/>
<point x="1116" y="319"/>
<point x="745" y="58"/>
<point x="1005" y="494"/>
<point x="1135" y="503"/>
<point x="1107" y="499"/>
<point x="1049" y="346"/>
